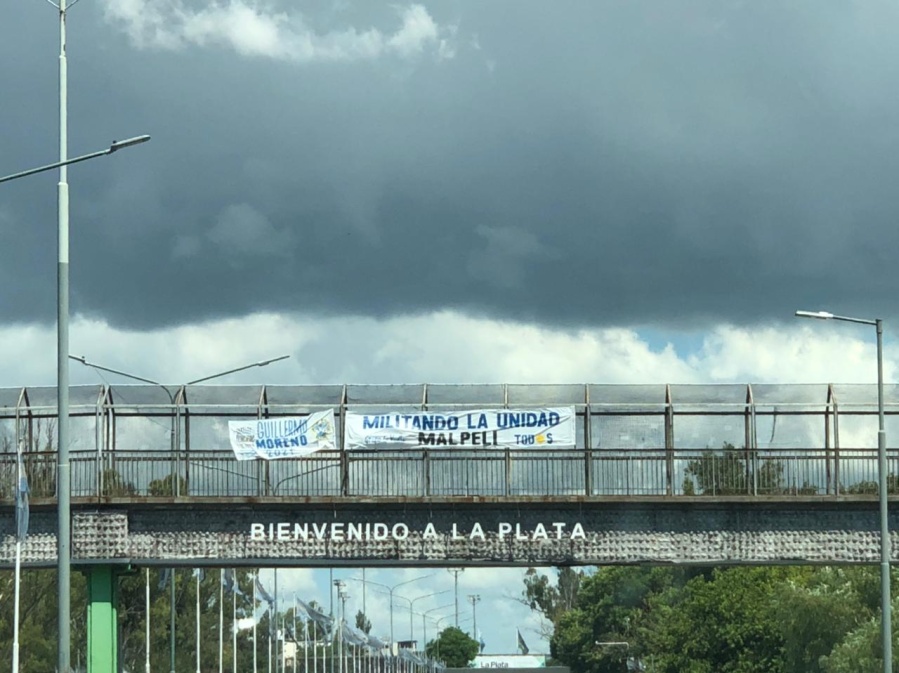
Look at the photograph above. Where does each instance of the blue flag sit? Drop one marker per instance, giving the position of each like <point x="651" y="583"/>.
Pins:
<point x="230" y="583"/>
<point x="164" y="578"/>
<point x="263" y="594"/>
<point x="21" y="503"/>
<point x="316" y="616"/>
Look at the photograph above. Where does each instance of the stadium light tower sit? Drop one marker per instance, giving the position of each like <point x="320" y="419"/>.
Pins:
<point x="885" y="608"/>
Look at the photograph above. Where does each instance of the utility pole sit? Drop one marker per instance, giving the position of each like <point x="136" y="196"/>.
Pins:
<point x="474" y="599"/>
<point x="455" y="572"/>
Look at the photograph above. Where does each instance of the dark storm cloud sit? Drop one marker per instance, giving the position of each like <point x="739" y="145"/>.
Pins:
<point x="577" y="163"/>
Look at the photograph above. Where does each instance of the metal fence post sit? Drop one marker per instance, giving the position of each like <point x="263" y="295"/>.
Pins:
<point x="669" y="443"/>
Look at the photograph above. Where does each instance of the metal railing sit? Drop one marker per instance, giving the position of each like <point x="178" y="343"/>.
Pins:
<point x="455" y="473"/>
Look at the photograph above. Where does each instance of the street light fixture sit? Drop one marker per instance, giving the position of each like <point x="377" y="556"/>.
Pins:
<point x="474" y="599"/>
<point x="173" y="449"/>
<point x="115" y="146"/>
<point x="412" y="602"/>
<point x="439" y="621"/>
<point x="391" y="589"/>
<point x="424" y="616"/>
<point x="63" y="468"/>
<point x="63" y="473"/>
<point x="885" y="608"/>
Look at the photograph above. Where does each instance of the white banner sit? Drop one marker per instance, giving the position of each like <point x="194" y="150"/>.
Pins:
<point x="544" y="428"/>
<point x="283" y="437"/>
<point x="509" y="661"/>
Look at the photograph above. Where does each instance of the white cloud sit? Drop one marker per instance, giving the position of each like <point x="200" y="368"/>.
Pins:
<point x="418" y="30"/>
<point x="442" y="347"/>
<point x="826" y="353"/>
<point x="251" y="29"/>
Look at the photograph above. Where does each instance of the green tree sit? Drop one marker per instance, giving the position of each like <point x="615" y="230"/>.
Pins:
<point x="817" y="609"/>
<point x="131" y="606"/>
<point x="611" y="607"/>
<point x="114" y="484"/>
<point x="723" y="624"/>
<point x="551" y="599"/>
<point x="734" y="471"/>
<point x="166" y="486"/>
<point x="454" y="647"/>
<point x="38" y="619"/>
<point x="363" y="623"/>
<point x="860" y="651"/>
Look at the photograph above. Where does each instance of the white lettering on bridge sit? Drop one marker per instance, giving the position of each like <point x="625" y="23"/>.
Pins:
<point x="361" y="532"/>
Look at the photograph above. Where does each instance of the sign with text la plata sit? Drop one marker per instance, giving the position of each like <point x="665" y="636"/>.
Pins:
<point x="542" y="428"/>
<point x="282" y="437"/>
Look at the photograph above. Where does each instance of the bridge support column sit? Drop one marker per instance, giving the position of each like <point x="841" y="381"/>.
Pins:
<point x="102" y="624"/>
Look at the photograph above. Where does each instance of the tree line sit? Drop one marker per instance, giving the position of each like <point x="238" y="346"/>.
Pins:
<point x="783" y="619"/>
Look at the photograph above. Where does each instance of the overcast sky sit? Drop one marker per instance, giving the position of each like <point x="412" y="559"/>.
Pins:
<point x="455" y="191"/>
<point x="579" y="164"/>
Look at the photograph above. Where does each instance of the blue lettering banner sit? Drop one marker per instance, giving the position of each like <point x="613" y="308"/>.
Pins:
<point x="282" y="437"/>
<point x="543" y="428"/>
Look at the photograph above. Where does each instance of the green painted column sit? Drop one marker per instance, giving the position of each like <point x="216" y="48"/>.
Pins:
<point x="102" y="624"/>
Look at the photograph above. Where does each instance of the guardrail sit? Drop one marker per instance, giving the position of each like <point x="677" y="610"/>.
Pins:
<point x="459" y="473"/>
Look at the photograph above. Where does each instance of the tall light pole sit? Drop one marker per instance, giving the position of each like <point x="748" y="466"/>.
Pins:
<point x="886" y="611"/>
<point x="63" y="474"/>
<point x="474" y="599"/>
<point x="341" y="596"/>
<point x="63" y="468"/>
<point x="455" y="572"/>
<point x="391" y="589"/>
<point x="173" y="450"/>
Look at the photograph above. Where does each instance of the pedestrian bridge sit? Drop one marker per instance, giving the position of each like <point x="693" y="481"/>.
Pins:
<point x="703" y="474"/>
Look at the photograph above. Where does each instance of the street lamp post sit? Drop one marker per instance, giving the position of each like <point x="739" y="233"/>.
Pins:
<point x="424" y="616"/>
<point x="474" y="599"/>
<point x="173" y="449"/>
<point x="391" y="589"/>
<point x="885" y="608"/>
<point x="341" y="596"/>
<point x="412" y="602"/>
<point x="63" y="474"/>
<point x="455" y="572"/>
